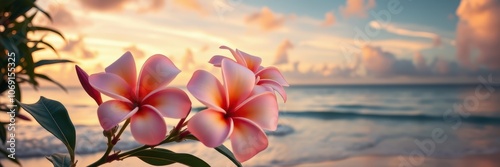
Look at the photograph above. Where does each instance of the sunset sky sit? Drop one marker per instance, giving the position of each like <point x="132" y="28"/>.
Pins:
<point x="312" y="42"/>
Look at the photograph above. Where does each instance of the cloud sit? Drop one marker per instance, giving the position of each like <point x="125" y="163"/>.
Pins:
<point x="437" y="41"/>
<point x="106" y="5"/>
<point x="282" y="52"/>
<point x="192" y="5"/>
<point x="296" y="66"/>
<point x="329" y="19"/>
<point x="155" y="5"/>
<point x="87" y="54"/>
<point x="78" y="47"/>
<point x="400" y="31"/>
<point x="441" y="66"/>
<point x="380" y="63"/>
<point x="477" y="30"/>
<point x="376" y="61"/>
<point x="357" y="8"/>
<point x="138" y="53"/>
<point x="266" y="19"/>
<point x="419" y="62"/>
<point x="72" y="45"/>
<point x="61" y="17"/>
<point x="204" y="48"/>
<point x="188" y="60"/>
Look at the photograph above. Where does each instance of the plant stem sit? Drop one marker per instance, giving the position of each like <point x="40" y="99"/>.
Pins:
<point x="117" y="137"/>
<point x="127" y="153"/>
<point x="111" y="144"/>
<point x="172" y="137"/>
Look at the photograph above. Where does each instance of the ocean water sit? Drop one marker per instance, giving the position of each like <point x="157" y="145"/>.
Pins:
<point x="321" y="123"/>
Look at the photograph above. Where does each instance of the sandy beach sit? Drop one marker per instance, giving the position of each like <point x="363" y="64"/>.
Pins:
<point x="488" y="160"/>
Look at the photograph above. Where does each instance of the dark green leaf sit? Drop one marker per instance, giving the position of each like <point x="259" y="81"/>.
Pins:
<point x="226" y="152"/>
<point x="46" y="44"/>
<point x="51" y="80"/>
<point x="6" y="3"/>
<point x="4" y="152"/>
<point x="3" y="133"/>
<point x="159" y="156"/>
<point x="52" y="116"/>
<point x="30" y="64"/>
<point x="43" y="11"/>
<point x="60" y="160"/>
<point x="9" y="45"/>
<point x="51" y="61"/>
<point x="17" y="94"/>
<point x="20" y="7"/>
<point x="35" y="28"/>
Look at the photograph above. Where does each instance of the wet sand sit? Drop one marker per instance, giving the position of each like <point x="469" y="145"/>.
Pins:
<point x="488" y="160"/>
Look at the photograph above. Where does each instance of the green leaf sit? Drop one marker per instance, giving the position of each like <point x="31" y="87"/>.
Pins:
<point x="38" y="28"/>
<point x="9" y="45"/>
<point x="43" y="11"/>
<point x="52" y="116"/>
<point x="46" y="44"/>
<point x="3" y="133"/>
<point x="51" y="80"/>
<point x="4" y="152"/>
<point x="60" y="160"/>
<point x="223" y="150"/>
<point x="18" y="95"/>
<point x="226" y="152"/>
<point x="159" y="156"/>
<point x="51" y="61"/>
<point x="6" y="3"/>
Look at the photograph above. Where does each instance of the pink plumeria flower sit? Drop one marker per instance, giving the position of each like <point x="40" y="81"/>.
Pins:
<point x="145" y="100"/>
<point x="268" y="78"/>
<point x="235" y="110"/>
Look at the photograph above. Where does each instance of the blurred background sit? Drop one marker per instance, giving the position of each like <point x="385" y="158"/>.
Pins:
<point x="373" y="82"/>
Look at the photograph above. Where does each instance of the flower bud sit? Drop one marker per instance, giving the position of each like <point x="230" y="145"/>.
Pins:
<point x="84" y="80"/>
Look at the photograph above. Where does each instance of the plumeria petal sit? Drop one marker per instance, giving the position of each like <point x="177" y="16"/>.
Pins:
<point x="111" y="113"/>
<point x="252" y="62"/>
<point x="238" y="81"/>
<point x="84" y="80"/>
<point x="272" y="73"/>
<point x="247" y="139"/>
<point x="147" y="126"/>
<point x="156" y="72"/>
<point x="236" y="56"/>
<point x="217" y="60"/>
<point x="275" y="86"/>
<point x="211" y="127"/>
<point x="170" y="102"/>
<point x="125" y="68"/>
<point x="259" y="89"/>
<point x="111" y="85"/>
<point x="261" y="109"/>
<point x="207" y="89"/>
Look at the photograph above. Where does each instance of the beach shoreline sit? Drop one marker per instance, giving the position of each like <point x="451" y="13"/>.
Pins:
<point x="485" y="160"/>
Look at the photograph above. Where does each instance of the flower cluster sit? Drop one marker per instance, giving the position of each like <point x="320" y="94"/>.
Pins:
<point x="239" y="108"/>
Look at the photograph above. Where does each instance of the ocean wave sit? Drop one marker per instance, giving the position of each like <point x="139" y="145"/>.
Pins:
<point x="370" y="107"/>
<point x="327" y="115"/>
<point x="34" y="141"/>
